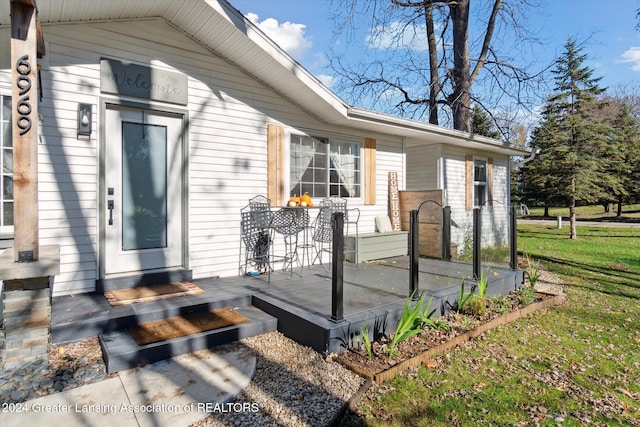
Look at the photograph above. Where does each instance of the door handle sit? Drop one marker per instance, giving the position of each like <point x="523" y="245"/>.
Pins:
<point x="110" y="207"/>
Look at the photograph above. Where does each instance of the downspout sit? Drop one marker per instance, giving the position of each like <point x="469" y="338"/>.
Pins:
<point x="521" y="163"/>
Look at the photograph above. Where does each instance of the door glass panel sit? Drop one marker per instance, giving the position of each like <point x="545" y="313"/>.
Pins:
<point x="144" y="186"/>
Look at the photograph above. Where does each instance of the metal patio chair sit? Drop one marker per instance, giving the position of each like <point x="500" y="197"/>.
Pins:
<point x="257" y="228"/>
<point x="323" y="230"/>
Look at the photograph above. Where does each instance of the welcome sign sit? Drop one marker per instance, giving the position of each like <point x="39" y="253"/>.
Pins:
<point x="120" y="78"/>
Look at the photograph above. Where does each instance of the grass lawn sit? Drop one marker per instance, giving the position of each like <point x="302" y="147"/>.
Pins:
<point x="576" y="364"/>
<point x="593" y="213"/>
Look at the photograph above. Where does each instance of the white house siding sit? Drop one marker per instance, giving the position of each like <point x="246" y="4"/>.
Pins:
<point x="495" y="225"/>
<point x="389" y="158"/>
<point x="422" y="166"/>
<point x="227" y="152"/>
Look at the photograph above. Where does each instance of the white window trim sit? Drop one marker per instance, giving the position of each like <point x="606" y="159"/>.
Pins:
<point x="486" y="181"/>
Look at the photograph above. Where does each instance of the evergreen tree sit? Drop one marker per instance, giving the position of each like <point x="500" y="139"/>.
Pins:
<point x="572" y="135"/>
<point x="481" y="123"/>
<point x="625" y="152"/>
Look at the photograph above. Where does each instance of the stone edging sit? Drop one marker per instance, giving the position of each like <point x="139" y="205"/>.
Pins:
<point x="392" y="372"/>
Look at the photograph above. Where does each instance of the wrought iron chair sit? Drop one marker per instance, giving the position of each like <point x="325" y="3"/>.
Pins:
<point x="260" y="206"/>
<point x="259" y="202"/>
<point x="257" y="227"/>
<point x="323" y="231"/>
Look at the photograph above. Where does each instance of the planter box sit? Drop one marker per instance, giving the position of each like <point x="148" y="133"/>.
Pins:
<point x="376" y="246"/>
<point x="392" y="372"/>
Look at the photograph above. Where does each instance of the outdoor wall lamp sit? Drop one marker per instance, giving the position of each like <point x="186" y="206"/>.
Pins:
<point x="84" y="119"/>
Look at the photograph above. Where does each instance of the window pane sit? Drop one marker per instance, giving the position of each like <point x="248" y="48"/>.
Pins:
<point x="479" y="194"/>
<point x="7" y="187"/>
<point x="319" y="190"/>
<point x="320" y="175"/>
<point x="144" y="201"/>
<point x="6" y="107"/>
<point x="355" y="191"/>
<point x="6" y="134"/>
<point x="7" y="161"/>
<point x="480" y="171"/>
<point x="7" y="213"/>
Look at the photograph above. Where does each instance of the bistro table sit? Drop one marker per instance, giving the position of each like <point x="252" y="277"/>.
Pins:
<point x="299" y="221"/>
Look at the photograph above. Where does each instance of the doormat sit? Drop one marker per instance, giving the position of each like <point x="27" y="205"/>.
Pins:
<point x="151" y="293"/>
<point x="180" y="326"/>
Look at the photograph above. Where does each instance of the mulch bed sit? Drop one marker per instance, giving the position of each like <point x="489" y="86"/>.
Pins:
<point x="421" y="348"/>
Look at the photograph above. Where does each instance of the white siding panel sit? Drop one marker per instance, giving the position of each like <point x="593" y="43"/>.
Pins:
<point x="422" y="167"/>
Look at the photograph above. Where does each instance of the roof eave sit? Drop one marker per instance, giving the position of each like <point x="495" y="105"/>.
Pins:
<point x="428" y="133"/>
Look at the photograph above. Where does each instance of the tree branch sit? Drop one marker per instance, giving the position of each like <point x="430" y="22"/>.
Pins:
<point x="487" y="40"/>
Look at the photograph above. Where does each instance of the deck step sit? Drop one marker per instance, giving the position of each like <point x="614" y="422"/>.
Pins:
<point x="120" y="351"/>
<point x="133" y="281"/>
<point x="76" y="318"/>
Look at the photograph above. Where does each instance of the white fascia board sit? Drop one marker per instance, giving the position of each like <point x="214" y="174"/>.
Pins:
<point x="422" y="132"/>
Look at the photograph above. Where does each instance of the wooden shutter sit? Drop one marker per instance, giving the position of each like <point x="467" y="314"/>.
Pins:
<point x="275" y="165"/>
<point x="490" y="181"/>
<point x="468" y="163"/>
<point x="369" y="171"/>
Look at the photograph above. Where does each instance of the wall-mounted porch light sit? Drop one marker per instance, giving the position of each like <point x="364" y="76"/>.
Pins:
<point x="84" y="119"/>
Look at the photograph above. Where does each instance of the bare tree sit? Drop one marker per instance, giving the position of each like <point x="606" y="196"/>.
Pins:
<point x="402" y="82"/>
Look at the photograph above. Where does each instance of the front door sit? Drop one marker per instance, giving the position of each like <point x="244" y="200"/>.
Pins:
<point x="143" y="191"/>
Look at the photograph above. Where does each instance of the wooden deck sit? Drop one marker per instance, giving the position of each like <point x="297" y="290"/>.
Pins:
<point x="373" y="293"/>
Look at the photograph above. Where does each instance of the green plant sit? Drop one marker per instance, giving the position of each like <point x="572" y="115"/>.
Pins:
<point x="364" y="339"/>
<point x="476" y="305"/>
<point x="500" y="304"/>
<point x="439" y="324"/>
<point x="483" y="284"/>
<point x="466" y="251"/>
<point x="533" y="271"/>
<point x="411" y="322"/>
<point x="526" y="295"/>
<point x="463" y="298"/>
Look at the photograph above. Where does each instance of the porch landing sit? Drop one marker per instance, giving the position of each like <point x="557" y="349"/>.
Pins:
<point x="374" y="293"/>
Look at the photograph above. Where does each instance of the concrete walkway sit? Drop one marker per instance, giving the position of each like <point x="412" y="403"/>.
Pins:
<point x="175" y="392"/>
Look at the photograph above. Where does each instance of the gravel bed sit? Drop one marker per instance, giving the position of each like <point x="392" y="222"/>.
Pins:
<point x="69" y="366"/>
<point x="293" y="386"/>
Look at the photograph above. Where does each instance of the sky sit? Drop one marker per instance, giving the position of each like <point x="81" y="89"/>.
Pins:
<point x="607" y="29"/>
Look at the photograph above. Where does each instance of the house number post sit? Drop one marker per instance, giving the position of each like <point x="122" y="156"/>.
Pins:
<point x="25" y="130"/>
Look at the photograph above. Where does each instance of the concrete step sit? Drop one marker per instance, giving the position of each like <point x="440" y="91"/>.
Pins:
<point x="120" y="351"/>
